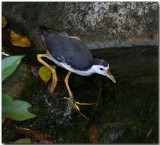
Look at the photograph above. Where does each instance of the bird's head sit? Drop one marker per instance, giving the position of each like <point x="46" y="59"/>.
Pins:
<point x="102" y="67"/>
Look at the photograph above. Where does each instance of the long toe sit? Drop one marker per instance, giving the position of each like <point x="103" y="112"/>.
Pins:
<point x="78" y="103"/>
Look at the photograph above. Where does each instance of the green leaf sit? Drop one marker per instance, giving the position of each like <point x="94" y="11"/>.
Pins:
<point x="6" y="98"/>
<point x="23" y="140"/>
<point x="9" y="64"/>
<point x="15" y="109"/>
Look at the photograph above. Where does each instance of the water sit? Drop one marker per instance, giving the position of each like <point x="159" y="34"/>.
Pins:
<point x="126" y="112"/>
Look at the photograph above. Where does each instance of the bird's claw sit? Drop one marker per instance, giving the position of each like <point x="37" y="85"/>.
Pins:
<point x="74" y="105"/>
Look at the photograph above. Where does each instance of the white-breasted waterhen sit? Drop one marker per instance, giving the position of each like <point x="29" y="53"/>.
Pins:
<point x="71" y="54"/>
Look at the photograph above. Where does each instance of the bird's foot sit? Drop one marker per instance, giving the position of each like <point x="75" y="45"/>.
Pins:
<point x="86" y="103"/>
<point x="74" y="105"/>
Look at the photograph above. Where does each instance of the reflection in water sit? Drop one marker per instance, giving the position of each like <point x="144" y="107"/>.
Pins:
<point x="127" y="112"/>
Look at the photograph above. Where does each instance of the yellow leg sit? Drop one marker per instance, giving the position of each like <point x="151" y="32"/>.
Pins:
<point x="71" y="100"/>
<point x="66" y="82"/>
<point x="73" y="105"/>
<point x="54" y="76"/>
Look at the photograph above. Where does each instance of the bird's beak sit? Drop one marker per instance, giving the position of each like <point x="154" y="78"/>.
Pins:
<point x="109" y="75"/>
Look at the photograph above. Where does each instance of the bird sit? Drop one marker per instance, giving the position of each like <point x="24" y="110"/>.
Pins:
<point x="72" y="54"/>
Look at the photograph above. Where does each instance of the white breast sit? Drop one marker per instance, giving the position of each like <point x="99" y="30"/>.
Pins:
<point x="69" y="68"/>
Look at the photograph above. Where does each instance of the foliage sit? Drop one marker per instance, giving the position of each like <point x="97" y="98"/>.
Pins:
<point x="45" y="73"/>
<point x="14" y="109"/>
<point x="36" y="135"/>
<point x="18" y="40"/>
<point x="4" y="22"/>
<point x="93" y="133"/>
<point x="9" y="65"/>
<point x="23" y="140"/>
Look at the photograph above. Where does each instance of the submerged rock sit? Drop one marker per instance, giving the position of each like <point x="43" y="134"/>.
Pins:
<point x="125" y="111"/>
<point x="14" y="84"/>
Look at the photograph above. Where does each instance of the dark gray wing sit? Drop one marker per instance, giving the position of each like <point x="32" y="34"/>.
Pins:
<point x="70" y="50"/>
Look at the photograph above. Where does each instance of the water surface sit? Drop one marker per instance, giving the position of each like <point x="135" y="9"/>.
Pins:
<point x="126" y="112"/>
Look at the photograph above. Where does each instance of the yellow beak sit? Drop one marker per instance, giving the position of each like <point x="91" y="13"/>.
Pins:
<point x="110" y="76"/>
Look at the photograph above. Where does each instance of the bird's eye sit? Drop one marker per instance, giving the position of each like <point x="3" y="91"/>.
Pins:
<point x="101" y="69"/>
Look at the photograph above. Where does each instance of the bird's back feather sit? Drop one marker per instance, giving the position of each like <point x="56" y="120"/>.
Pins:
<point x="66" y="49"/>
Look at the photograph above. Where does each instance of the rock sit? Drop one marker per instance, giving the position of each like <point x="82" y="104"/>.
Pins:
<point x="98" y="24"/>
<point x="14" y="84"/>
